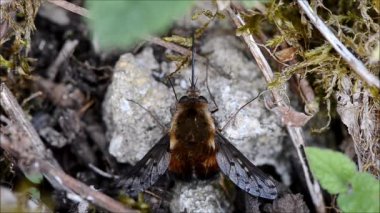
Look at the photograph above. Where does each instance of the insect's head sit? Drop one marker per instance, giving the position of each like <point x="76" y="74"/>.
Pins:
<point x="189" y="99"/>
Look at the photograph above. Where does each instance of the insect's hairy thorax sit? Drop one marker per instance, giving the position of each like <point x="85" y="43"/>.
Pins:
<point x="192" y="126"/>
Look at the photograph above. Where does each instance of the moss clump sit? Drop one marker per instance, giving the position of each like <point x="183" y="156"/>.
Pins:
<point x="17" y="26"/>
<point x="337" y="87"/>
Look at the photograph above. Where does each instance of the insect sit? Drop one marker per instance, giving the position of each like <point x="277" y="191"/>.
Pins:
<point x="194" y="147"/>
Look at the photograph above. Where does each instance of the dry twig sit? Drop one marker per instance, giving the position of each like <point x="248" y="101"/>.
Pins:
<point x="176" y="48"/>
<point x="294" y="132"/>
<point x="60" y="179"/>
<point x="169" y="45"/>
<point x="66" y="51"/>
<point x="22" y="137"/>
<point x="16" y="114"/>
<point x="71" y="7"/>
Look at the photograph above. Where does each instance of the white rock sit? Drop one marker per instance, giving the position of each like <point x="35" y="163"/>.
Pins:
<point x="131" y="130"/>
<point x="8" y="200"/>
<point x="199" y="197"/>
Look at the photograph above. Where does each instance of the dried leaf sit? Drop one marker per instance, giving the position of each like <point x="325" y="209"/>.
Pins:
<point x="291" y="117"/>
<point x="287" y="54"/>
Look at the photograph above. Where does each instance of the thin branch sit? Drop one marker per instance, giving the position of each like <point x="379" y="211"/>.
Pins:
<point x="71" y="7"/>
<point x="354" y="63"/>
<point x="66" y="51"/>
<point x="169" y="45"/>
<point x="305" y="88"/>
<point x="176" y="48"/>
<point x="294" y="132"/>
<point x="60" y="179"/>
<point x="101" y="172"/>
<point x="21" y="137"/>
<point x="31" y="97"/>
<point x="16" y="114"/>
<point x="4" y="27"/>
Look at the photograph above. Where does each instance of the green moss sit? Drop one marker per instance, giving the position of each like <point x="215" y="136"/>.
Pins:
<point x="353" y="22"/>
<point x="181" y="62"/>
<point x="253" y="24"/>
<point x="6" y="64"/>
<point x="211" y="17"/>
<point x="184" y="41"/>
<point x="15" y="44"/>
<point x="138" y="204"/>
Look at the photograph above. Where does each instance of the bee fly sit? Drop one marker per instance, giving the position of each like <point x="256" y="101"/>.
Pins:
<point x="192" y="147"/>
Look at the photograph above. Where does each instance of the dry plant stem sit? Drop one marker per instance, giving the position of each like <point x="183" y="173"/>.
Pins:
<point x="71" y="7"/>
<point x="20" y="149"/>
<point x="4" y="2"/>
<point x="66" y="182"/>
<point x="308" y="96"/>
<point x="3" y="29"/>
<point x="176" y="48"/>
<point x="66" y="51"/>
<point x="307" y="91"/>
<point x="84" y="191"/>
<point x="294" y="132"/>
<point x="354" y="63"/>
<point x="16" y="114"/>
<point x="31" y="97"/>
<point x="169" y="45"/>
<point x="101" y="172"/>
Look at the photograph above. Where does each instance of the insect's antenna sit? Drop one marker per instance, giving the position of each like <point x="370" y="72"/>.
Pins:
<point x="192" y="64"/>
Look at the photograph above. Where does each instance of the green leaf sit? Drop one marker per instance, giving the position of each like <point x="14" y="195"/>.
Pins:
<point x="364" y="196"/>
<point x="332" y="169"/>
<point x="252" y="4"/>
<point x="34" y="177"/>
<point x="34" y="193"/>
<point x="117" y="23"/>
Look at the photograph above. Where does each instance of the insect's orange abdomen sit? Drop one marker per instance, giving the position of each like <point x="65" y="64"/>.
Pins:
<point x="185" y="163"/>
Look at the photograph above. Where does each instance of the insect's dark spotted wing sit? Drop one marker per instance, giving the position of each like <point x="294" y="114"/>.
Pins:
<point x="242" y="172"/>
<point x="147" y="171"/>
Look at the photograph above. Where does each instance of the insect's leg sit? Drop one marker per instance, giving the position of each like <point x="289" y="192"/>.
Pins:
<point x="171" y="84"/>
<point x="240" y="108"/>
<point x="209" y="91"/>
<point x="163" y="128"/>
<point x="225" y="186"/>
<point x="252" y="204"/>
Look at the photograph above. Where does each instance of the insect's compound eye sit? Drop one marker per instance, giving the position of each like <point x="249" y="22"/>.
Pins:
<point x="183" y="99"/>
<point x="203" y="99"/>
